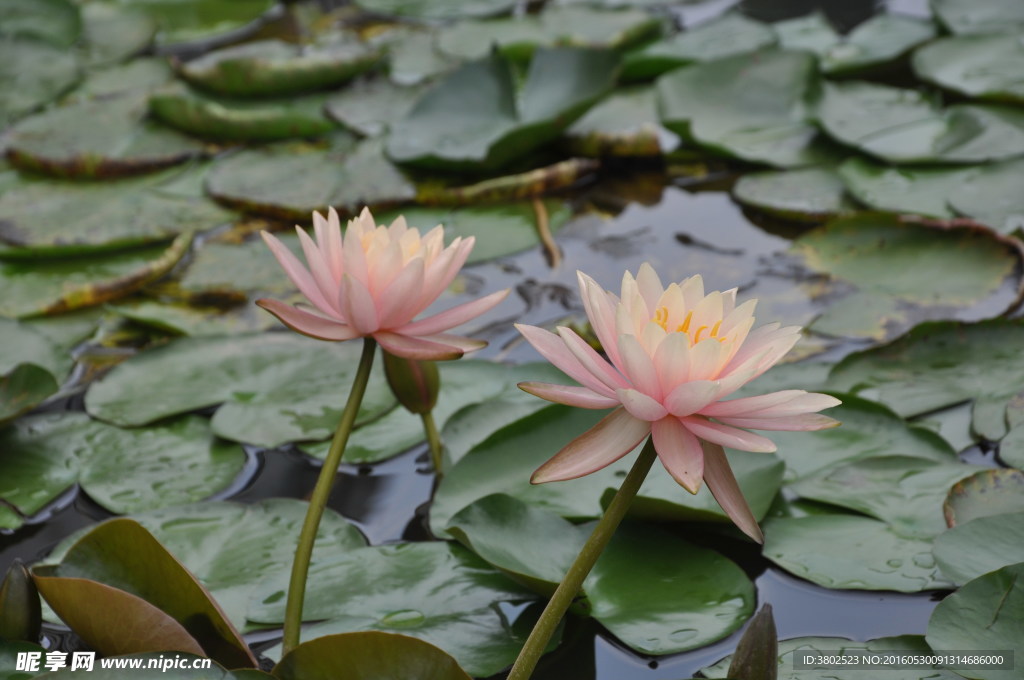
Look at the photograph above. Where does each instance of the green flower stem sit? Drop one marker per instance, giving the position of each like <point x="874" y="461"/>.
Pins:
<point x="433" y="440"/>
<point x="318" y="500"/>
<point x="573" y="580"/>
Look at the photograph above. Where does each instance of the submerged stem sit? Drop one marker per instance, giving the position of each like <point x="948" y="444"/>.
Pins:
<point x="318" y="500"/>
<point x="433" y="441"/>
<point x="581" y="566"/>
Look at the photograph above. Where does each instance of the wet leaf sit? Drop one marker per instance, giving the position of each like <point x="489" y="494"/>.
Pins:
<point x="290" y="182"/>
<point x="442" y="9"/>
<point x="23" y="388"/>
<point x="57" y="286"/>
<point x="984" y="614"/>
<point x="863" y="553"/>
<point x="441" y="131"/>
<point x="271" y="388"/>
<point x="370" y="107"/>
<point x="368" y="656"/>
<point x="905" y="126"/>
<point x="97" y="138"/>
<point x="808" y="195"/>
<point x="925" y="191"/>
<point x="984" y="544"/>
<point x="624" y="124"/>
<point x="113" y="34"/>
<point x="274" y="67"/>
<point x="986" y="493"/>
<point x="121" y="557"/>
<point x="53" y="21"/>
<point x="986" y="16"/>
<point x="991" y="195"/>
<point x="32" y="74"/>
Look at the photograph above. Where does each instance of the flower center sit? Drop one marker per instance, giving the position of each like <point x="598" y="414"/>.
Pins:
<point x="661" y="318"/>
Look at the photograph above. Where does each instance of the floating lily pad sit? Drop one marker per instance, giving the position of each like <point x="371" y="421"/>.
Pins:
<point x="177" y="318"/>
<point x="991" y="195"/>
<point x="660" y="594"/>
<point x="57" y="286"/>
<point x="862" y="553"/>
<point x="808" y="195"/>
<point x="1011" y="448"/>
<point x="984" y="614"/>
<point x="438" y="592"/>
<point x="904" y="126"/>
<point x="711" y="103"/>
<point x="241" y="120"/>
<point x="368" y="656"/>
<point x="370" y="107"/>
<point x="925" y="191"/>
<point x="110" y="216"/>
<point x="271" y="388"/>
<point x="936" y="365"/>
<point x="991" y="492"/>
<point x="905" y="271"/>
<point x="725" y="36"/>
<point x="442" y="9"/>
<point x="290" y="181"/>
<point x="54" y="21"/>
<point x="236" y="271"/>
<point x="985" y="544"/>
<point x="412" y="56"/>
<point x="21" y="389"/>
<point x="200" y="21"/>
<point x="26" y="342"/>
<point x="980" y="16"/>
<point x="274" y="67"/>
<point x="441" y="131"/>
<point x="97" y="138"/>
<point x="32" y="74"/>
<point x="232" y="546"/>
<point x="624" y="124"/>
<point x="978" y="66"/>
<point x="114" y="33"/>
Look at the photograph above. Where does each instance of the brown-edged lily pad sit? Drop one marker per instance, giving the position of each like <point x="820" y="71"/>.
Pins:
<point x="986" y="493"/>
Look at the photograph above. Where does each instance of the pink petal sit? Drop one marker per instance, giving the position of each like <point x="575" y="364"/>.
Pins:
<point x="568" y="395"/>
<point x="455" y="316"/>
<point x="672" y="361"/>
<point x="354" y="255"/>
<point x="385" y="266"/>
<point x="680" y="452"/>
<point x="613" y="437"/>
<point x="399" y="302"/>
<point x="328" y="236"/>
<point x="298" y="274"/>
<point x="707" y="358"/>
<point x="803" y="422"/>
<point x="551" y="347"/>
<point x="306" y="323"/>
<point x="785" y="402"/>
<point x="726" y="491"/>
<point x="458" y="341"/>
<point x="691" y="397"/>
<point x="725" y="435"/>
<point x="318" y="267"/>
<point x="591" y="360"/>
<point x="437" y="282"/>
<point x="600" y="308"/>
<point x="639" y="367"/>
<point x="649" y="285"/>
<point x="640" y="405"/>
<point x="358" y="305"/>
<point x="416" y="348"/>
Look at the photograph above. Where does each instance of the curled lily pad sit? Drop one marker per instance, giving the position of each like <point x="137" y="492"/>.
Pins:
<point x="23" y="388"/>
<point x="32" y="74"/>
<point x="370" y="107"/>
<point x="980" y="16"/>
<point x="984" y="544"/>
<point x="441" y="131"/>
<point x="97" y="138"/>
<point x="372" y="655"/>
<point x="113" y="33"/>
<point x="986" y="493"/>
<point x="808" y="195"/>
<point x="978" y="66"/>
<point x="274" y="67"/>
<point x="54" y="21"/>
<point x="924" y="191"/>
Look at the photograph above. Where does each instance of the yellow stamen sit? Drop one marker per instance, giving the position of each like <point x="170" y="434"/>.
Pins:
<point x="714" y="329"/>
<point x="696" y="337"/>
<point x="661" y="317"/>
<point x="685" y="325"/>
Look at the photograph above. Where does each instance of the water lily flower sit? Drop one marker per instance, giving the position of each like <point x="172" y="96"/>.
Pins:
<point x="373" y="281"/>
<point x="674" y="355"/>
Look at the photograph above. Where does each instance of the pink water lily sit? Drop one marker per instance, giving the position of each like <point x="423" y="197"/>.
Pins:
<point x="373" y="281"/>
<point x="674" y="355"/>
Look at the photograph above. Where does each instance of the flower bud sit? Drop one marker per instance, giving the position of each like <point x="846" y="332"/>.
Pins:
<point x="20" y="610"/>
<point x="414" y="383"/>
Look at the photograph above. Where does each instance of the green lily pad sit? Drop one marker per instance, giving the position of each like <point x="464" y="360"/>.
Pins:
<point x="937" y="364"/>
<point x="274" y="67"/>
<point x="952" y="424"/>
<point x="624" y="124"/>
<point x="1011" y="448"/>
<point x="986" y="493"/>
<point x="725" y="36"/>
<point x="878" y="41"/>
<point x="97" y="139"/>
<point x="114" y="215"/>
<point x="980" y="16"/>
<point x="122" y="470"/>
<point x="660" y="594"/>
<point x="925" y="191"/>
<point x="905" y="270"/>
<point x="868" y="430"/>
<point x="26" y="342"/>
<point x="57" y="286"/>
<point x="370" y="107"/>
<point x="533" y="546"/>
<point x="904" y="126"/>
<point x="991" y="196"/>
<point x="53" y="21"/>
<point x="241" y="120"/>
<point x="113" y="34"/>
<point x="985" y="544"/>
<point x="851" y="552"/>
<point x="475" y="423"/>
<point x="23" y="388"/>
<point x="32" y="74"/>
<point x="903" y="491"/>
<point x="443" y="9"/>
<point x="441" y="131"/>
<point x="808" y="195"/>
<point x="271" y="388"/>
<point x="176" y="318"/>
<point x="412" y="56"/>
<point x="233" y="271"/>
<point x="438" y="592"/>
<point x="137" y="78"/>
<point x="122" y="556"/>
<point x="291" y="181"/>
<point x="710" y="103"/>
<point x="368" y="656"/>
<point x="978" y="66"/>
<point x="200" y="21"/>
<point x="230" y="547"/>
<point x="984" y="614"/>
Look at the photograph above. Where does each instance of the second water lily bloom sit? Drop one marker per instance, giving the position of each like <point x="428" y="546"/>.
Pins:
<point x="373" y="281"/>
<point x="674" y="356"/>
